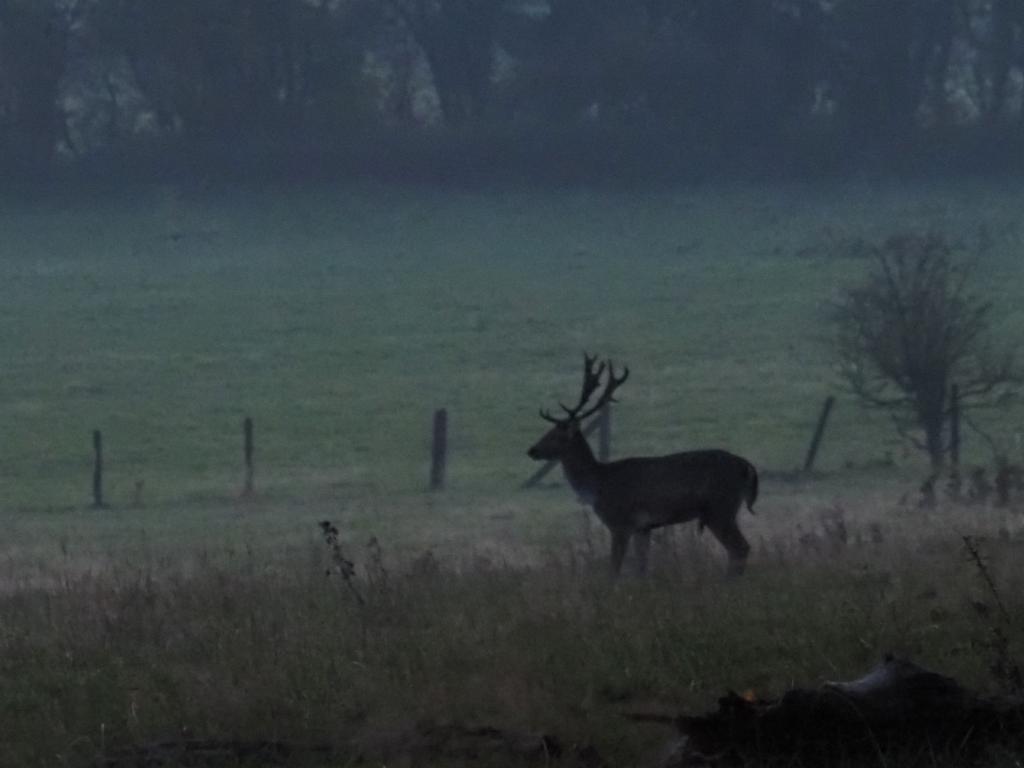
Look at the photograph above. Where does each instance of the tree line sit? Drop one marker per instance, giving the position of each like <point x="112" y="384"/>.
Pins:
<point x="564" y="87"/>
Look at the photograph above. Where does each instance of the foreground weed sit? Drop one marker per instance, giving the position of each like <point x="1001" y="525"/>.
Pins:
<point x="1004" y="668"/>
<point x="341" y="565"/>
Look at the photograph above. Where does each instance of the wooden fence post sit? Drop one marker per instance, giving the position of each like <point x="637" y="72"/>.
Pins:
<point x="247" y="431"/>
<point x="819" y="431"/>
<point x="439" y="450"/>
<point x="97" y="469"/>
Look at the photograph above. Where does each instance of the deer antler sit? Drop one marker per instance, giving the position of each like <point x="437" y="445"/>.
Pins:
<point x="608" y="396"/>
<point x="591" y="383"/>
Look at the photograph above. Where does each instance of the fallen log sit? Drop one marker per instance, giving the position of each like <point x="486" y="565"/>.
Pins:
<point x="897" y="710"/>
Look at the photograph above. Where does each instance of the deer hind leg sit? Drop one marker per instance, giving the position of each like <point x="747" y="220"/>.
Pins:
<point x="736" y="545"/>
<point x="620" y="540"/>
<point x="642" y="548"/>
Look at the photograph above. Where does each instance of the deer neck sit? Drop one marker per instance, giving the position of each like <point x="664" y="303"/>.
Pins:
<point x="581" y="469"/>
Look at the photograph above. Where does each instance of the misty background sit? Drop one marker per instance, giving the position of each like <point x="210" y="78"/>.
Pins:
<point x="474" y="90"/>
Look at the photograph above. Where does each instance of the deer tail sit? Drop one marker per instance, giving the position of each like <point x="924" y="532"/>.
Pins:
<point x="751" y="490"/>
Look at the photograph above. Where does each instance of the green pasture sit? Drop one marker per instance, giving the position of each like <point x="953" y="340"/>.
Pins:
<point x="340" y="318"/>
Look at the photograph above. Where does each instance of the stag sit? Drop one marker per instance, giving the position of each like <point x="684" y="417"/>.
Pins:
<point x="634" y="496"/>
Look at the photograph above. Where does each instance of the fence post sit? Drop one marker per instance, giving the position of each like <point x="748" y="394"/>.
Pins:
<point x="604" y="433"/>
<point x="819" y="431"/>
<point x="247" y="431"/>
<point x="439" y="450"/>
<point x="97" y="469"/>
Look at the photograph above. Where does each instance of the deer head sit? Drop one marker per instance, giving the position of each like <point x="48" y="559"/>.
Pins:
<point x="557" y="440"/>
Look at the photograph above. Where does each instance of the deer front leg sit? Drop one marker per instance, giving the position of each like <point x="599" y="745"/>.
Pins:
<point x="620" y="540"/>
<point x="735" y="543"/>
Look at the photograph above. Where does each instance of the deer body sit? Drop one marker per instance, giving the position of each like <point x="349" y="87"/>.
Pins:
<point x="634" y="496"/>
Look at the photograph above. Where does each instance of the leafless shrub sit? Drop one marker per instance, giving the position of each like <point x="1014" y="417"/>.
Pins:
<point x="911" y="330"/>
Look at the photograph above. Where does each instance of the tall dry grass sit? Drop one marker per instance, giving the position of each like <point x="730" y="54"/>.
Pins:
<point x="240" y="644"/>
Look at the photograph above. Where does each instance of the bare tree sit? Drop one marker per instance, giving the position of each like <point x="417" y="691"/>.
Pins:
<point x="911" y="330"/>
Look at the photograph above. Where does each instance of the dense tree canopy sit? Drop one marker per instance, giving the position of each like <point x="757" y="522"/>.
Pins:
<point x="408" y="85"/>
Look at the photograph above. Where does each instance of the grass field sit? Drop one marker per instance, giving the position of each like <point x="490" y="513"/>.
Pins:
<point x="339" y="319"/>
<point x="235" y="645"/>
